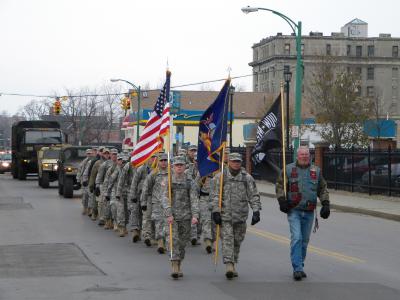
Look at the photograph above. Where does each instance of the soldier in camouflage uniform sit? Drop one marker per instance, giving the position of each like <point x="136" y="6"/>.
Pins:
<point x="99" y="189"/>
<point x="151" y="200"/>
<point x="239" y="191"/>
<point x="86" y="177"/>
<point x="130" y="209"/>
<point x="81" y="169"/>
<point x="305" y="185"/>
<point x="108" y="211"/>
<point x="181" y="212"/>
<point x="134" y="197"/>
<point x="104" y="154"/>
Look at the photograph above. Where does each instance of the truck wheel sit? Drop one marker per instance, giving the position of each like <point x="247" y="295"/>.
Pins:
<point x="60" y="186"/>
<point x="14" y="171"/>
<point x="39" y="180"/>
<point x="68" y="187"/>
<point x="45" y="180"/>
<point x="21" y="172"/>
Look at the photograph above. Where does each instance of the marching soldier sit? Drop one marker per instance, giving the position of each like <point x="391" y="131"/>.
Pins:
<point x="108" y="211"/>
<point x="79" y="179"/>
<point x="86" y="177"/>
<point x="100" y="188"/>
<point x="151" y="200"/>
<point x="134" y="196"/>
<point x="239" y="191"/>
<point x="305" y="185"/>
<point x="181" y="212"/>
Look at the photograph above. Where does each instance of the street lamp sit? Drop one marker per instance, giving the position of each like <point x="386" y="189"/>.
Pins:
<point x="137" y="88"/>
<point x="287" y="75"/>
<point x="231" y="93"/>
<point x="296" y="27"/>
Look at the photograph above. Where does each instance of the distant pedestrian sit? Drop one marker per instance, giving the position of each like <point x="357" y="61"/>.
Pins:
<point x="304" y="185"/>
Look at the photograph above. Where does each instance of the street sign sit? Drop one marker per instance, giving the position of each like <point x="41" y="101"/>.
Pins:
<point x="176" y="102"/>
<point x="295" y="131"/>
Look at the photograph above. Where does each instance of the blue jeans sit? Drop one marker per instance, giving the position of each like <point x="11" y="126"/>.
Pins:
<point x="300" y="223"/>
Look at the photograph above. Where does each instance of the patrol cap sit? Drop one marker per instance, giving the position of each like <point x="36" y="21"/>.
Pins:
<point x="88" y="151"/>
<point x="235" y="156"/>
<point x="106" y="150"/>
<point x="94" y="149"/>
<point x="125" y="157"/>
<point x="114" y="151"/>
<point x="101" y="148"/>
<point x="120" y="156"/>
<point x="179" y="160"/>
<point x="182" y="151"/>
<point x="163" y="156"/>
<point x="227" y="150"/>
<point x="192" y="147"/>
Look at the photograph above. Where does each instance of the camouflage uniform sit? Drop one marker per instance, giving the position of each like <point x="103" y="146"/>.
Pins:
<point x="86" y="178"/>
<point x="135" y="192"/>
<point x="151" y="198"/>
<point x="111" y="191"/>
<point x="101" y="176"/>
<point x="92" y="186"/>
<point x="207" y="225"/>
<point x="124" y="183"/>
<point x="184" y="207"/>
<point x="107" y="210"/>
<point x="79" y="178"/>
<point x="239" y="191"/>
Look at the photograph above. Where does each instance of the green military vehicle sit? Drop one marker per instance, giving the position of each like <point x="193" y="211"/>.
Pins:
<point x="27" y="138"/>
<point x="70" y="159"/>
<point x="47" y="165"/>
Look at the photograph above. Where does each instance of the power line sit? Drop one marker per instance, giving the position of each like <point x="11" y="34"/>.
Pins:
<point x="119" y="94"/>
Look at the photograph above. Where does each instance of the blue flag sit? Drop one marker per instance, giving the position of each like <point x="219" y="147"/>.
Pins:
<point x="212" y="133"/>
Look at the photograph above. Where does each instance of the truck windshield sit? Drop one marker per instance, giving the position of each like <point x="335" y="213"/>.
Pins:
<point x="74" y="154"/>
<point x="51" y="154"/>
<point x="5" y="156"/>
<point x="43" y="137"/>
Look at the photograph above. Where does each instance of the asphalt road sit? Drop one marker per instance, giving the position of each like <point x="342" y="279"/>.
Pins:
<point x="48" y="250"/>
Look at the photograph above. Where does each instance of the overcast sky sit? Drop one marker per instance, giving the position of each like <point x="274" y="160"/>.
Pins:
<point x="49" y="45"/>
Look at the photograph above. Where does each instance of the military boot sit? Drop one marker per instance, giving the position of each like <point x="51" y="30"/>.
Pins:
<point x="126" y="230"/>
<point x="208" y="245"/>
<point x="135" y="236"/>
<point x="108" y="224"/>
<point x="175" y="269"/>
<point x="121" y="231"/>
<point x="230" y="269"/>
<point x="101" y="222"/>
<point x="180" y="273"/>
<point x="235" y="273"/>
<point x="94" y="216"/>
<point x="194" y="242"/>
<point x="147" y="242"/>
<point x="89" y="212"/>
<point x="161" y="246"/>
<point x="115" y="226"/>
<point x="84" y="211"/>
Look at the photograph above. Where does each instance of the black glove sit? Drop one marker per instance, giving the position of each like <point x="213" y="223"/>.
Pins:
<point x="283" y="205"/>
<point x="325" y="210"/>
<point x="118" y="197"/>
<point x="78" y="185"/>
<point x="144" y="207"/>
<point x="107" y="198"/>
<point x="91" y="189"/>
<point x="216" y="216"/>
<point x="97" y="191"/>
<point x="256" y="218"/>
<point x="85" y="183"/>
<point x="134" y="200"/>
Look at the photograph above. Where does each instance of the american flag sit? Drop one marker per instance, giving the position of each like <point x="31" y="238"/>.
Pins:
<point x="151" y="139"/>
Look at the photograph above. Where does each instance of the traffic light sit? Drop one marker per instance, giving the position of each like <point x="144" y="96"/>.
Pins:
<point x="123" y="104"/>
<point x="128" y="104"/>
<point x="57" y="107"/>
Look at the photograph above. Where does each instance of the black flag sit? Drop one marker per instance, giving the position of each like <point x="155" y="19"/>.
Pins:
<point x="269" y="132"/>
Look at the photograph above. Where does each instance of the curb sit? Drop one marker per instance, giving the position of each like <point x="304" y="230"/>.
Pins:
<point x="357" y="210"/>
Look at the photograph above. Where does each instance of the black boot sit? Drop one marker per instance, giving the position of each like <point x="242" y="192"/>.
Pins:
<point x="297" y="275"/>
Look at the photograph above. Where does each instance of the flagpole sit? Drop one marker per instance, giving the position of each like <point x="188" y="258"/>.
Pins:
<point x="283" y="141"/>
<point x="221" y="185"/>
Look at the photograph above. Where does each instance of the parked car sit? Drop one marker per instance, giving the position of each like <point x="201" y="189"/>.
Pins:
<point x="5" y="162"/>
<point x="380" y="176"/>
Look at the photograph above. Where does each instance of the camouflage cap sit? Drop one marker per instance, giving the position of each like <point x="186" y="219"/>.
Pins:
<point x="227" y="150"/>
<point x="120" y="156"/>
<point x="114" y="151"/>
<point x="235" y="156"/>
<point x="125" y="157"/>
<point x="192" y="147"/>
<point x="94" y="149"/>
<point x="162" y="156"/>
<point x="179" y="160"/>
<point x="106" y="150"/>
<point x="182" y="151"/>
<point x="101" y="148"/>
<point x="88" y="151"/>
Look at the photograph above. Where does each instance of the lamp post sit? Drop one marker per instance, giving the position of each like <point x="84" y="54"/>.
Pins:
<point x="137" y="88"/>
<point x="287" y="75"/>
<point x="296" y="27"/>
<point x="231" y="92"/>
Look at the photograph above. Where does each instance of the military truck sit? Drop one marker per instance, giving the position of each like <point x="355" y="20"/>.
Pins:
<point x="27" y="138"/>
<point x="70" y="158"/>
<point x="47" y="165"/>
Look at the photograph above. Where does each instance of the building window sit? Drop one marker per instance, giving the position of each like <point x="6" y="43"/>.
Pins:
<point x="358" y="51"/>
<point x="302" y="49"/>
<point x="394" y="92"/>
<point x="255" y="56"/>
<point x="273" y="72"/>
<point x="358" y="72"/>
<point x="328" y="49"/>
<point x="287" y="49"/>
<point x="371" y="50"/>
<point x="370" y="73"/>
<point x="395" y="73"/>
<point x="370" y="91"/>
<point x="395" y="51"/>
<point x="348" y="50"/>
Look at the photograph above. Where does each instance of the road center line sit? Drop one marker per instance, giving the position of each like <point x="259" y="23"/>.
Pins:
<point x="284" y="240"/>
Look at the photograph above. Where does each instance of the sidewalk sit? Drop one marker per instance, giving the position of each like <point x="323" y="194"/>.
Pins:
<point x="374" y="205"/>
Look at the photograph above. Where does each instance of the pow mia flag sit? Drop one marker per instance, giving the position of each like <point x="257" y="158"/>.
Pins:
<point x="269" y="132"/>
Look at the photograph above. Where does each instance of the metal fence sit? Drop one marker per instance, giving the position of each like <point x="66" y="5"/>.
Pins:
<point x="372" y="171"/>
